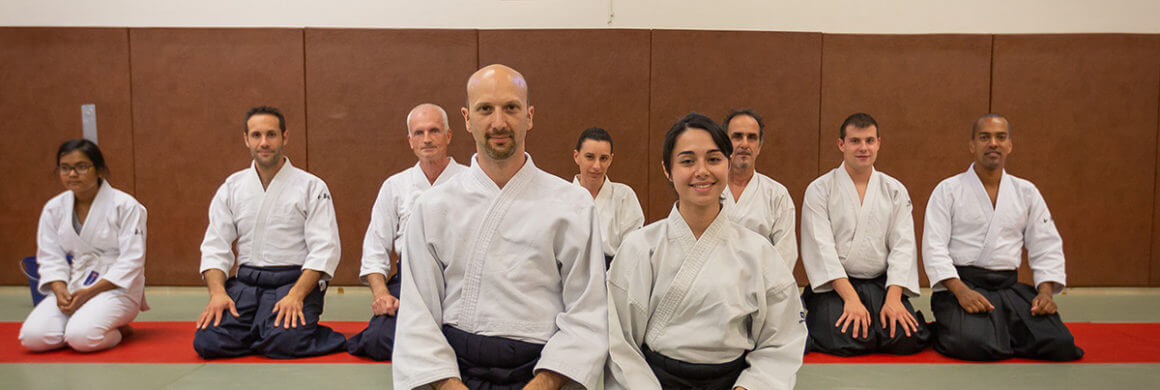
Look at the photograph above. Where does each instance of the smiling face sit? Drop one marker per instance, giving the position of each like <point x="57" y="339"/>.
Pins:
<point x="77" y="173"/>
<point x="991" y="143"/>
<point x="428" y="134"/>
<point x="498" y="116"/>
<point x="699" y="169"/>
<point x="265" y="139"/>
<point x="745" y="134"/>
<point x="593" y="158"/>
<point x="860" y="147"/>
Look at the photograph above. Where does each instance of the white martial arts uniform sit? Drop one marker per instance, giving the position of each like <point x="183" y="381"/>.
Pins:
<point x="845" y="236"/>
<point x="522" y="262"/>
<point x="704" y="300"/>
<point x="618" y="211"/>
<point x="390" y="213"/>
<point x="110" y="246"/>
<point x="291" y="222"/>
<point x="765" y="207"/>
<point x="963" y="229"/>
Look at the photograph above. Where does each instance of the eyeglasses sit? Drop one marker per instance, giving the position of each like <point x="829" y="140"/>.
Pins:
<point x="80" y="169"/>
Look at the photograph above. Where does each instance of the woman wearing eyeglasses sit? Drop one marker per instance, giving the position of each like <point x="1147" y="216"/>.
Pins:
<point x="91" y="257"/>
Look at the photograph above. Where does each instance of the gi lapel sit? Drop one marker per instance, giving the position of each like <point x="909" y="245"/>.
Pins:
<point x="496" y="211"/>
<point x="696" y="255"/>
<point x="270" y="200"/>
<point x="983" y="202"/>
<point x="859" y="248"/>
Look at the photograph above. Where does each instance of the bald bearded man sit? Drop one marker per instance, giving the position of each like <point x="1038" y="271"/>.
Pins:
<point x="503" y="271"/>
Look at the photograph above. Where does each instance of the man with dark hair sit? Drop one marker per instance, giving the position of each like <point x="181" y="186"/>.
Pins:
<point x="859" y="254"/>
<point x="428" y="134"/>
<point x="281" y="219"/>
<point x="503" y="278"/>
<point x="754" y="200"/>
<point x="617" y="206"/>
<point x="977" y="224"/>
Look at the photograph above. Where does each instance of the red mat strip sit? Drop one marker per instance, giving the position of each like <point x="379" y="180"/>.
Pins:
<point x="172" y="342"/>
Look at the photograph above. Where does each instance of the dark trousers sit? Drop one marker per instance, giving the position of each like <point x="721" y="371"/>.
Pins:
<point x="255" y="291"/>
<point x="1008" y="331"/>
<point x="378" y="339"/>
<point x="677" y="374"/>
<point x="493" y="363"/>
<point x="824" y="309"/>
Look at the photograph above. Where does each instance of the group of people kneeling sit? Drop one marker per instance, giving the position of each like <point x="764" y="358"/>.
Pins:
<point x="513" y="278"/>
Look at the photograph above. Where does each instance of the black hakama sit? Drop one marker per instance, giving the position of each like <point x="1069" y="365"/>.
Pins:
<point x="824" y="309"/>
<point x="255" y="291"/>
<point x="677" y="374"/>
<point x="378" y="339"/>
<point x="1008" y="331"/>
<point x="493" y="363"/>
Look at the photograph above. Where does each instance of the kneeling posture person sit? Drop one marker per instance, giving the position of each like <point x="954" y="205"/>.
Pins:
<point x="428" y="134"/>
<point x="859" y="254"/>
<point x="503" y="277"/>
<point x="977" y="223"/>
<point x="616" y="204"/>
<point x="89" y="303"/>
<point x="696" y="300"/>
<point x="281" y="219"/>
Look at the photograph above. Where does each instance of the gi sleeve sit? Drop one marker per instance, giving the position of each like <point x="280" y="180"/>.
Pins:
<point x="380" y="237"/>
<point x="50" y="256"/>
<point x="580" y="346"/>
<point x="422" y="355"/>
<point x="819" y="253"/>
<point x="902" y="256"/>
<point x="130" y="265"/>
<point x="217" y="248"/>
<point x="780" y="338"/>
<point x="782" y="234"/>
<point x="936" y="236"/>
<point x="632" y="216"/>
<point x="321" y="232"/>
<point x="628" y="318"/>
<point x="1044" y="245"/>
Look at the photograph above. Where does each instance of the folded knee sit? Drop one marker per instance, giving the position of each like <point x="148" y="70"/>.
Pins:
<point x="88" y="339"/>
<point x="39" y="341"/>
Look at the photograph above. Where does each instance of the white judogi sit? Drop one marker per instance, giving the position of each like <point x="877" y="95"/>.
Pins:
<point x="618" y="211"/>
<point x="765" y="207"/>
<point x="521" y="262"/>
<point x="291" y="222"/>
<point x="390" y="213"/>
<point x="110" y="246"/>
<point x="847" y="236"/>
<point x="704" y="300"/>
<point x="962" y="228"/>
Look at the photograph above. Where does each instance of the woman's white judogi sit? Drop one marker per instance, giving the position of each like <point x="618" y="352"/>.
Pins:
<point x="963" y="229"/>
<point x="845" y="236"/>
<point x="618" y="211"/>
<point x="765" y="207"/>
<point x="110" y="246"/>
<point x="389" y="215"/>
<point x="706" y="300"/>
<point x="522" y="262"/>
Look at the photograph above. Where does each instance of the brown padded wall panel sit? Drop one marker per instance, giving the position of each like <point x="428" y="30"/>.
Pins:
<point x="191" y="90"/>
<point x="776" y="74"/>
<point x="1155" y="266"/>
<point x="923" y="91"/>
<point x="46" y="74"/>
<point x="1083" y="116"/>
<point x="360" y="86"/>
<point x="579" y="79"/>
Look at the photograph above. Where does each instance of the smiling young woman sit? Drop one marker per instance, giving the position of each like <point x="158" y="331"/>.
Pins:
<point x="697" y="300"/>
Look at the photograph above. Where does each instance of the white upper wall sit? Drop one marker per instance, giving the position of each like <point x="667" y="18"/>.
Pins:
<point x="831" y="16"/>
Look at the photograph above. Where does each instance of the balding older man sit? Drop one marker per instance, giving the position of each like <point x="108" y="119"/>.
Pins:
<point x="429" y="134"/>
<point x="503" y="272"/>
